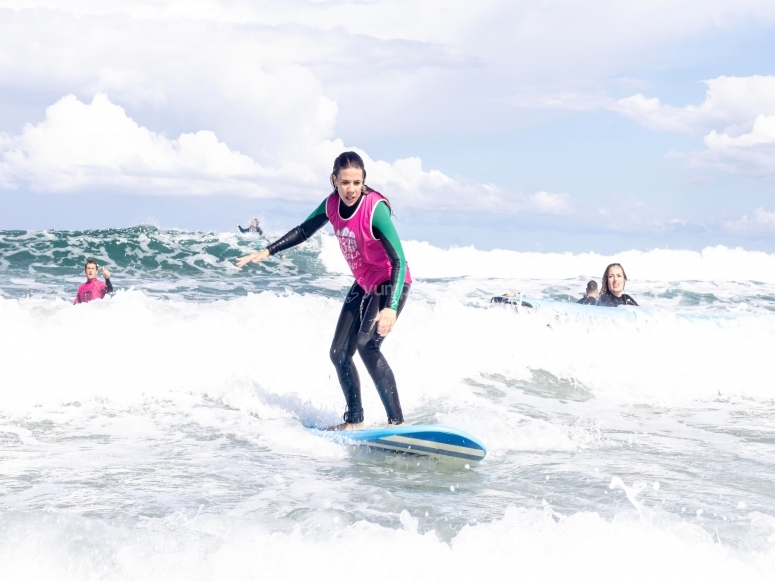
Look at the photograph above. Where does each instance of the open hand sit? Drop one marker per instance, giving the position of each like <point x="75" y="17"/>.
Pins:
<point x="385" y="321"/>
<point x="252" y="257"/>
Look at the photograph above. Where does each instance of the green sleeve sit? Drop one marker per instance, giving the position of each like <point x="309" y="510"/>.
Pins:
<point x="382" y="221"/>
<point x="321" y="209"/>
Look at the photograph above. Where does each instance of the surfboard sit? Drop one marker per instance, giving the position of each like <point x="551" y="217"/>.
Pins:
<point x="511" y="301"/>
<point x="438" y="441"/>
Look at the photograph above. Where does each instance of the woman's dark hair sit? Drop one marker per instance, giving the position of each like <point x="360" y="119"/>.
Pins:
<point x="604" y="285"/>
<point x="350" y="159"/>
<point x="347" y="160"/>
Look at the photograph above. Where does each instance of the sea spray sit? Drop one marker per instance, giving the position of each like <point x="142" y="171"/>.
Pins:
<point x="163" y="432"/>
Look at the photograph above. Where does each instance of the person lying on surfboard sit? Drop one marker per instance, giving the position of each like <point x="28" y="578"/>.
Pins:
<point x="362" y="222"/>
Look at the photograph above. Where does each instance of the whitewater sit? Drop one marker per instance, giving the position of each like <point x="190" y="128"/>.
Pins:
<point x="164" y="432"/>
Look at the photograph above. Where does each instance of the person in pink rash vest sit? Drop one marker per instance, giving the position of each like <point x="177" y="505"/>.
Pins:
<point x="93" y="288"/>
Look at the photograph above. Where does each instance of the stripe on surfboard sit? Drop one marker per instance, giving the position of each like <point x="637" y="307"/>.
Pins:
<point x="393" y="445"/>
<point x="433" y="443"/>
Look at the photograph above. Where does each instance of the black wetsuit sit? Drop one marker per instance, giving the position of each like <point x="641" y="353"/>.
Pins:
<point x="587" y="301"/>
<point x="256" y="229"/>
<point x="608" y="299"/>
<point x="357" y="325"/>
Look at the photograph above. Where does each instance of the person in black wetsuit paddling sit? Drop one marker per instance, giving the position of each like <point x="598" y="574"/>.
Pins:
<point x="362" y="222"/>
<point x="612" y="289"/>
<point x="253" y="227"/>
<point x="591" y="296"/>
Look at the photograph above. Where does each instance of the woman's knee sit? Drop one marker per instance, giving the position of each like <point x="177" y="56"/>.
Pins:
<point x="367" y="344"/>
<point x="339" y="356"/>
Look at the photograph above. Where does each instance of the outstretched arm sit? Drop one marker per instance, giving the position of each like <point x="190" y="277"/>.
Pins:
<point x="314" y="222"/>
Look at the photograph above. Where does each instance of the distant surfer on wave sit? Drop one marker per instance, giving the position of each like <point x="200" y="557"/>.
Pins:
<point x="362" y="222"/>
<point x="612" y="289"/>
<point x="93" y="288"/>
<point x="252" y="227"/>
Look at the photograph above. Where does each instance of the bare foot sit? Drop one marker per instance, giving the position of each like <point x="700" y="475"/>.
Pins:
<point x="344" y="427"/>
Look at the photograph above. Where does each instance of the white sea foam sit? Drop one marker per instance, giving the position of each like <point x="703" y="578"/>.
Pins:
<point x="711" y="264"/>
<point x="153" y="435"/>
<point x="530" y="542"/>
<point x="131" y="345"/>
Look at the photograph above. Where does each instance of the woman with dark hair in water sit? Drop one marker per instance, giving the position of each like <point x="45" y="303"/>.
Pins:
<point x="612" y="288"/>
<point x="362" y="222"/>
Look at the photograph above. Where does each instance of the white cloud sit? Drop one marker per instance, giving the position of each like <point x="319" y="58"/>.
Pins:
<point x="81" y="147"/>
<point x="731" y="104"/>
<point x="548" y="203"/>
<point x="630" y="214"/>
<point x="737" y="119"/>
<point x="248" y="69"/>
<point x="751" y="153"/>
<point x="274" y="83"/>
<point x="234" y="97"/>
<point x="762" y="221"/>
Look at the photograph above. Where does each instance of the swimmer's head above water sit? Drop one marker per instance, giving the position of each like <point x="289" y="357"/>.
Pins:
<point x="614" y="280"/>
<point x="91" y="268"/>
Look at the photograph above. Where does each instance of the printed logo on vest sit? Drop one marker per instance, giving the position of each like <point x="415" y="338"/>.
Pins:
<point x="349" y="247"/>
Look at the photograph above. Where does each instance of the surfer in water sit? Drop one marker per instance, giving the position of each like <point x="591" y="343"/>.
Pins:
<point x="361" y="218"/>
<point x="612" y="289"/>
<point x="252" y="227"/>
<point x="93" y="288"/>
<point x="591" y="297"/>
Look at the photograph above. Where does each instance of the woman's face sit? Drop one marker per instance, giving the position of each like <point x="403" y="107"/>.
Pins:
<point x="616" y="280"/>
<point x="349" y="185"/>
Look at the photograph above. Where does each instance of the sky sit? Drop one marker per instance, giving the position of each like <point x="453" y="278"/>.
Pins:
<point x="545" y="125"/>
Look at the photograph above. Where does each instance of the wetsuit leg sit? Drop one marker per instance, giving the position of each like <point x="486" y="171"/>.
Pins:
<point x="369" y="343"/>
<point x="342" y="350"/>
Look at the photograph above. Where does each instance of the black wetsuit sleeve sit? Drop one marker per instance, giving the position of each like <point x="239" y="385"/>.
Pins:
<point x="630" y="301"/>
<point x="314" y="222"/>
<point x="108" y="286"/>
<point x="241" y="229"/>
<point x="383" y="229"/>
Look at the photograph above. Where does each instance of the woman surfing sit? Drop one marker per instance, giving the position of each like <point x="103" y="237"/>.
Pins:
<point x="362" y="222"/>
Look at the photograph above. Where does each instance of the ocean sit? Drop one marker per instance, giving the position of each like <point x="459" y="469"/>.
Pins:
<point x="163" y="433"/>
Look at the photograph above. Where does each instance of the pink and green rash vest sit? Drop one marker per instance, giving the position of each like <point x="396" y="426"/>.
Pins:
<point x="365" y="254"/>
<point x="93" y="289"/>
<point x="367" y="238"/>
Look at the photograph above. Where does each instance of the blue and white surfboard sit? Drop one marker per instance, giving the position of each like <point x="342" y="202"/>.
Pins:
<point x="439" y="441"/>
